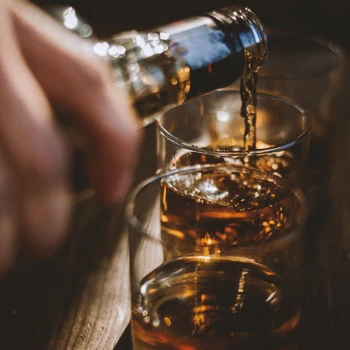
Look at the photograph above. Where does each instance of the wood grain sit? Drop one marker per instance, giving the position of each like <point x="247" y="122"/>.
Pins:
<point x="78" y="300"/>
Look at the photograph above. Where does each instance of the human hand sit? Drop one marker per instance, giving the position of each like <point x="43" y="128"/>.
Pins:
<point x="42" y="63"/>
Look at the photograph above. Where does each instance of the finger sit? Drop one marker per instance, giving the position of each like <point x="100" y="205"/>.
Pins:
<point x="85" y="85"/>
<point x="32" y="147"/>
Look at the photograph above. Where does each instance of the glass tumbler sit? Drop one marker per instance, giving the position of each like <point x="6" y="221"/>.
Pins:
<point x="210" y="129"/>
<point x="216" y="255"/>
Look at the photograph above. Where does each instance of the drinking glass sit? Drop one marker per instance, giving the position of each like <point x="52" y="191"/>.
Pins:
<point x="216" y="255"/>
<point x="306" y="69"/>
<point x="210" y="129"/>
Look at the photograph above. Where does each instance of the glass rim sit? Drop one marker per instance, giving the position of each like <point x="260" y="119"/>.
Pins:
<point x="241" y="153"/>
<point x="327" y="44"/>
<point x="134" y="222"/>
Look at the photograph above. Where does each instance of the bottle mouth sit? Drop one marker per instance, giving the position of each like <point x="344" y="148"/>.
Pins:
<point x="259" y="33"/>
<point x="251" y="32"/>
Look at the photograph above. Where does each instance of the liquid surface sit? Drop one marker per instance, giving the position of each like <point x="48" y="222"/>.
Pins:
<point x="227" y="210"/>
<point x="285" y="163"/>
<point x="205" y="303"/>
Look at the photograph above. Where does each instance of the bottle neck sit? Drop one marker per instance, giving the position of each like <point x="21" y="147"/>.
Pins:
<point x="219" y="47"/>
<point x="213" y="61"/>
<point x="244" y="29"/>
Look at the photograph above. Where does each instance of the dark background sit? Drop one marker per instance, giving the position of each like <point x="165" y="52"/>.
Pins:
<point x="328" y="19"/>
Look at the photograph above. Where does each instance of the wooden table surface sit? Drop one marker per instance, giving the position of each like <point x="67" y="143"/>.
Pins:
<point x="79" y="299"/>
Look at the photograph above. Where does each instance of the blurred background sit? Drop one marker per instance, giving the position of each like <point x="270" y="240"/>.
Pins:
<point x="324" y="18"/>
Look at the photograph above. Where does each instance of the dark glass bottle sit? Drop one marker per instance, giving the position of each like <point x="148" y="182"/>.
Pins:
<point x="173" y="63"/>
<point x="170" y="64"/>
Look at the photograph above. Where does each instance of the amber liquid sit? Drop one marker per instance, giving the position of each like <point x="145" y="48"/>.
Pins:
<point x="225" y="212"/>
<point x="232" y="267"/>
<point x="284" y="163"/>
<point x="248" y="109"/>
<point x="223" y="303"/>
